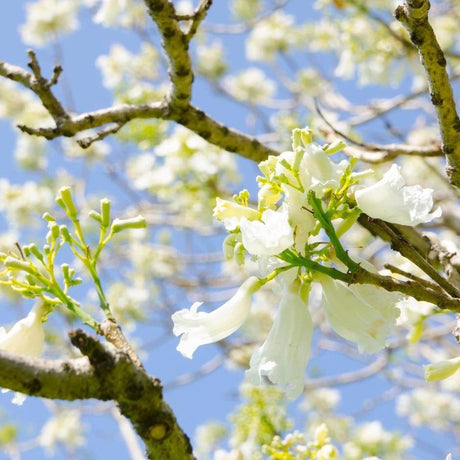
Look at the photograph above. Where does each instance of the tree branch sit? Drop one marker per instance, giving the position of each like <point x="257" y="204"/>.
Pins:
<point x="103" y="374"/>
<point x="192" y="118"/>
<point x="413" y="15"/>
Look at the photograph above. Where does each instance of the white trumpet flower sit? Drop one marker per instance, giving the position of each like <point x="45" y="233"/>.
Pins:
<point x="284" y="355"/>
<point x="392" y="200"/>
<point x="363" y="314"/>
<point x="200" y="328"/>
<point x="26" y="337"/>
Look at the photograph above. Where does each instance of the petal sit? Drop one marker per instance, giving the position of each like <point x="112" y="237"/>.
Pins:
<point x="284" y="355"/>
<point x="391" y="200"/>
<point x="200" y="328"/>
<point x="269" y="237"/>
<point x="364" y="315"/>
<point x="26" y="337"/>
<point x="442" y="369"/>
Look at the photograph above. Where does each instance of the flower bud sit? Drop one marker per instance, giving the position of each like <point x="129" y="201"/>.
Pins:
<point x="135" y="222"/>
<point x="15" y="264"/>
<point x="105" y="212"/>
<point x="67" y="199"/>
<point x="95" y="215"/>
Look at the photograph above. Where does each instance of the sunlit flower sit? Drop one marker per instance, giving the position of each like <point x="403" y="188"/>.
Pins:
<point x="230" y="213"/>
<point x="200" y="328"/>
<point x="269" y="237"/>
<point x="46" y="19"/>
<point x="26" y="337"/>
<point x="363" y="314"/>
<point x="65" y="427"/>
<point x="392" y="200"/>
<point x="284" y="355"/>
<point x="442" y="369"/>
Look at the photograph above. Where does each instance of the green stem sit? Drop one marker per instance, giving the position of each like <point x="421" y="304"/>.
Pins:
<point x="326" y="223"/>
<point x="301" y="261"/>
<point x="91" y="266"/>
<point x="74" y="308"/>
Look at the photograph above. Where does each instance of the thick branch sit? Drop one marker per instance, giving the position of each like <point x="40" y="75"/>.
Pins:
<point x="103" y="374"/>
<point x="192" y="118"/>
<point x="414" y="16"/>
<point x="175" y="44"/>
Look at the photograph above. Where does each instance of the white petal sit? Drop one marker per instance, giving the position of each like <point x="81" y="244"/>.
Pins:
<point x="26" y="337"/>
<point x="269" y="237"/>
<point x="200" y="328"/>
<point x="391" y="200"/>
<point x="284" y="355"/>
<point x="363" y="314"/>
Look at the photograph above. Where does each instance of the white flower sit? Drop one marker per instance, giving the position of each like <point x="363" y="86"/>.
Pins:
<point x="392" y="200"/>
<point x="284" y="355"/>
<point x="269" y="237"/>
<point x="46" y="19"/>
<point x="363" y="314"/>
<point x="269" y="36"/>
<point x="65" y="427"/>
<point x="26" y="337"/>
<point x="230" y="213"/>
<point x="250" y="85"/>
<point x="412" y="311"/>
<point x="200" y="328"/>
<point x="321" y="172"/>
<point x="442" y="369"/>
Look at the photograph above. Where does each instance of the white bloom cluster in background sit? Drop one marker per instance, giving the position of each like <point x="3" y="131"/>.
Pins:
<point x="121" y="67"/>
<point x="210" y="60"/>
<point x="285" y="234"/>
<point x="185" y="172"/>
<point x="250" y="85"/>
<point x="65" y="428"/>
<point x="119" y="13"/>
<point x="24" y="204"/>
<point x="47" y="19"/>
<point x="272" y="35"/>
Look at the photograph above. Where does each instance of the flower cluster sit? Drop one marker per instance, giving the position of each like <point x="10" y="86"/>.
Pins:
<point x="186" y="172"/>
<point x="305" y="204"/>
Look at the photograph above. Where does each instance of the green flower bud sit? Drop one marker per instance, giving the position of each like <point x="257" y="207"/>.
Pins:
<point x="48" y="217"/>
<point x="36" y="252"/>
<point x="15" y="264"/>
<point x="135" y="222"/>
<point x="65" y="271"/>
<point x="95" y="215"/>
<point x="335" y="147"/>
<point x="105" y="212"/>
<point x="239" y="254"/>
<point x="64" y="231"/>
<point x="228" y="246"/>
<point x="54" y="230"/>
<point x="66" y="196"/>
